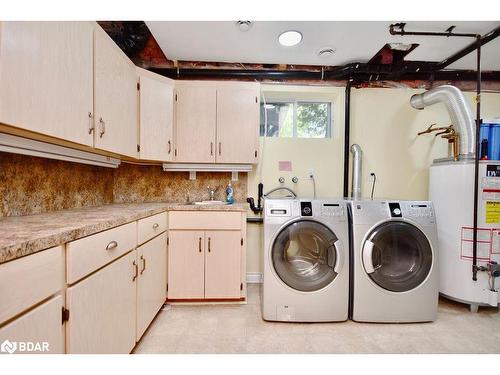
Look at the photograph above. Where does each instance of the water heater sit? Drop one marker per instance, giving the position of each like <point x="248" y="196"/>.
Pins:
<point x="451" y="190"/>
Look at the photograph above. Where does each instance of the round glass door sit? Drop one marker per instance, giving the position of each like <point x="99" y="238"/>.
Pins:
<point x="304" y="256"/>
<point x="397" y="256"/>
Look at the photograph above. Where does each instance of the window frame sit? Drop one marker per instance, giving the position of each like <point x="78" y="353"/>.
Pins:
<point x="295" y="102"/>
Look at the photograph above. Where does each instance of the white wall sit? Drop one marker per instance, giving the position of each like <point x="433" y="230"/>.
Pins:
<point x="385" y="126"/>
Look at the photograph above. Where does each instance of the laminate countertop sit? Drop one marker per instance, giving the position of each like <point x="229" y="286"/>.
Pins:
<point x="24" y="235"/>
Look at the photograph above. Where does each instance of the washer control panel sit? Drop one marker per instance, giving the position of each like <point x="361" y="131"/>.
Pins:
<point x="332" y="209"/>
<point x="417" y="210"/>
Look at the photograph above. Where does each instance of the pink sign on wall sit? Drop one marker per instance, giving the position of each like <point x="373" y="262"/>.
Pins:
<point x="285" y="166"/>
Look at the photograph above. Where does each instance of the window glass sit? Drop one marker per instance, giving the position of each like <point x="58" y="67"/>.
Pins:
<point x="294" y="119"/>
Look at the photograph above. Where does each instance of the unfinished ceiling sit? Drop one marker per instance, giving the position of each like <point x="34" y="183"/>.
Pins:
<point x="357" y="41"/>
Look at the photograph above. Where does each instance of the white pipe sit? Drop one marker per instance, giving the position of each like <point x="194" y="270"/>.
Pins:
<point x="356" y="172"/>
<point x="458" y="109"/>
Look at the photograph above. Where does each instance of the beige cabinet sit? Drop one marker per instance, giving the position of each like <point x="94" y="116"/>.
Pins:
<point x="115" y="97"/>
<point x="156" y="116"/>
<point x="238" y="119"/>
<point x="195" y="122"/>
<point x="103" y="309"/>
<point x="222" y="264"/>
<point x="152" y="281"/>
<point x="186" y="264"/>
<point x="206" y="255"/>
<point x="217" y="122"/>
<point x="46" y="78"/>
<point x="38" y="331"/>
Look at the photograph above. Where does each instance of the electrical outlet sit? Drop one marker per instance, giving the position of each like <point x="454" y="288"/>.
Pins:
<point x="310" y="173"/>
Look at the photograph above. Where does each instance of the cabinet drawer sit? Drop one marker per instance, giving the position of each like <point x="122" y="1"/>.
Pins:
<point x="41" y="326"/>
<point x="90" y="253"/>
<point x="151" y="226"/>
<point x="204" y="220"/>
<point x="26" y="281"/>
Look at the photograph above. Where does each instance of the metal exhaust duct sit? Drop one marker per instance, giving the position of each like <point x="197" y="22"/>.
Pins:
<point x="356" y="172"/>
<point x="458" y="109"/>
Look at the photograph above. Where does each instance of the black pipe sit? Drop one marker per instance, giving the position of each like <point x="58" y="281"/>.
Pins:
<point x="476" y="161"/>
<point x="403" y="32"/>
<point x="347" y="128"/>
<point x="363" y="73"/>
<point x="471" y="47"/>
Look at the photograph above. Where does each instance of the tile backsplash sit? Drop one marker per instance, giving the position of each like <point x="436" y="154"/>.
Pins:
<point x="30" y="185"/>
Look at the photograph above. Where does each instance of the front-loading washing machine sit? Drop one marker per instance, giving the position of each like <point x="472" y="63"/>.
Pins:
<point x="306" y="260"/>
<point x="394" y="261"/>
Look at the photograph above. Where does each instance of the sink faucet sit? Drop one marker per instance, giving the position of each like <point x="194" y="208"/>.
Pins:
<point x="211" y="192"/>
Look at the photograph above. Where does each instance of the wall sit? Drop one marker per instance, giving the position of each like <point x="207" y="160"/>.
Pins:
<point x="30" y="185"/>
<point x="385" y="126"/>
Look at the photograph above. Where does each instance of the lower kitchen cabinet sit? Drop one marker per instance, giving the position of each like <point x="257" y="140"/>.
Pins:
<point x="186" y="264"/>
<point x="103" y="309"/>
<point x="222" y="264"/>
<point x="152" y="281"/>
<point x="206" y="256"/>
<point x="38" y="331"/>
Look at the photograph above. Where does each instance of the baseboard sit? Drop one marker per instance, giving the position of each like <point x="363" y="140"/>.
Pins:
<point x="254" y="277"/>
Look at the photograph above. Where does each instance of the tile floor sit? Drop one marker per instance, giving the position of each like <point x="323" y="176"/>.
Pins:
<point x="240" y="329"/>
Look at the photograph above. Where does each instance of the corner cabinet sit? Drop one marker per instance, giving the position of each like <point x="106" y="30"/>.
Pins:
<point x="206" y="256"/>
<point x="46" y="78"/>
<point x="156" y="116"/>
<point x="217" y="122"/>
<point x="115" y="98"/>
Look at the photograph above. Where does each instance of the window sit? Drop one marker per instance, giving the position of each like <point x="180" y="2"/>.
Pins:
<point x="296" y="119"/>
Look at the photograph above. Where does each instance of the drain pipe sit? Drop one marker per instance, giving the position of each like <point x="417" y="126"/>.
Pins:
<point x="458" y="110"/>
<point x="356" y="172"/>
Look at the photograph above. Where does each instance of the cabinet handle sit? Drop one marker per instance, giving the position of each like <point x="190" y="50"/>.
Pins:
<point x="103" y="127"/>
<point x="169" y="147"/>
<point x="112" y="245"/>
<point x="143" y="264"/>
<point x="199" y="244"/>
<point x="91" y="123"/>
<point x="209" y="244"/>
<point x="136" y="268"/>
<point x="156" y="225"/>
<point x="211" y="148"/>
<point x="220" y="148"/>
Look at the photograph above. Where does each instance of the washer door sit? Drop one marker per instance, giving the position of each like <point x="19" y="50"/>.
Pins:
<point x="397" y="256"/>
<point x="305" y="254"/>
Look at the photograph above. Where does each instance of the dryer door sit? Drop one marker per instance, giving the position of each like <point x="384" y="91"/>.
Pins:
<point x="397" y="256"/>
<point x="305" y="255"/>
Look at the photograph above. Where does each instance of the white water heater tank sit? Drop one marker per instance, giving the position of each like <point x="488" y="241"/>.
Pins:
<point x="451" y="191"/>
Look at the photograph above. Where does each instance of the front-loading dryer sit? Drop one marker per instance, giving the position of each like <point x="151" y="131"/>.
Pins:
<point x="306" y="260"/>
<point x="394" y="261"/>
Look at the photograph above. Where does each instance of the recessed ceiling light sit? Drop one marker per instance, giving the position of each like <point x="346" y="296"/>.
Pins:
<point x="326" y="52"/>
<point x="290" y="38"/>
<point x="243" y="25"/>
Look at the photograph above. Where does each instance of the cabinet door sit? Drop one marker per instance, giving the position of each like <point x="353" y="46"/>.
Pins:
<point x="115" y="97"/>
<point x="152" y="281"/>
<point x="186" y="264"/>
<point x="195" y="124"/>
<point x="223" y="264"/>
<point x="42" y="325"/>
<point x="46" y="78"/>
<point x="103" y="310"/>
<point x="156" y="117"/>
<point x="238" y="115"/>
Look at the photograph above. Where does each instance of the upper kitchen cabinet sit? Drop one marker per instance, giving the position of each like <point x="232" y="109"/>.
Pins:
<point x="46" y="78"/>
<point x="217" y="122"/>
<point x="196" y="117"/>
<point x="156" y="116"/>
<point x="238" y="116"/>
<point x="115" y="97"/>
